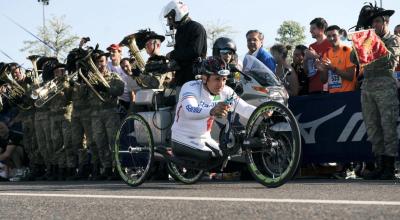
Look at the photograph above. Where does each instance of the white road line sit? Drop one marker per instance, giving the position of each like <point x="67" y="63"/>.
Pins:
<point x="221" y="199"/>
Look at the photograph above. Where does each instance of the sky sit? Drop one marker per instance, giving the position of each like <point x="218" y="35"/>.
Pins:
<point x="107" y="22"/>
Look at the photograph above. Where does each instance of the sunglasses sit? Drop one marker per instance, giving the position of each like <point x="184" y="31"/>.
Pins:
<point x="223" y="52"/>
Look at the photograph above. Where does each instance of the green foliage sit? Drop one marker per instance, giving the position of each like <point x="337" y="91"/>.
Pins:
<point x="216" y="30"/>
<point x="57" y="35"/>
<point x="291" y="33"/>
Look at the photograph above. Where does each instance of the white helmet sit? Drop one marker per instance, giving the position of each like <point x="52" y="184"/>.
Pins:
<point x="180" y="8"/>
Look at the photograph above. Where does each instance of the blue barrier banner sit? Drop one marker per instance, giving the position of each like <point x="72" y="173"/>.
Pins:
<point x="332" y="127"/>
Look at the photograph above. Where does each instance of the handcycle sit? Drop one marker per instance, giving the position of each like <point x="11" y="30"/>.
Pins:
<point x="269" y="141"/>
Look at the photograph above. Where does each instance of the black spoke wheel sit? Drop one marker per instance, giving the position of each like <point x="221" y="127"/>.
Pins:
<point x="274" y="162"/>
<point x="184" y="175"/>
<point x="276" y="157"/>
<point x="134" y="150"/>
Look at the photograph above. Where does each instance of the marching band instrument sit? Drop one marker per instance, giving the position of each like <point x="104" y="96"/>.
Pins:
<point x="50" y="89"/>
<point x="13" y="91"/>
<point x="35" y="71"/>
<point x="94" y="77"/>
<point x="130" y="42"/>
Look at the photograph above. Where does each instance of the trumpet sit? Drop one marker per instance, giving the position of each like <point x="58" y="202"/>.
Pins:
<point x="50" y="89"/>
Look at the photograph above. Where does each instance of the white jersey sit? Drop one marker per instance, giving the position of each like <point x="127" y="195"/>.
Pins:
<point x="192" y="123"/>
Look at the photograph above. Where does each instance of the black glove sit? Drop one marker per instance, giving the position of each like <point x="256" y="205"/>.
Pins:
<point x="100" y="88"/>
<point x="136" y="72"/>
<point x="155" y="67"/>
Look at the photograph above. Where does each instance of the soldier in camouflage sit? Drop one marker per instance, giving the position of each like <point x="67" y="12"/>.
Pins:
<point x="63" y="155"/>
<point x="104" y="115"/>
<point x="156" y="75"/>
<point x="42" y="122"/>
<point x="82" y="130"/>
<point x="379" y="100"/>
<point x="27" y="118"/>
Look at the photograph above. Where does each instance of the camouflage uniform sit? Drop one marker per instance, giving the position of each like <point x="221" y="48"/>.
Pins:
<point x="28" y="128"/>
<point x="82" y="126"/>
<point x="105" y="118"/>
<point x="60" y="119"/>
<point x="29" y="138"/>
<point x="152" y="78"/>
<point x="379" y="101"/>
<point x="43" y="134"/>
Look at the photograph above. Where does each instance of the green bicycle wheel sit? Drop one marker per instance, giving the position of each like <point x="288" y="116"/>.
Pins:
<point x="184" y="175"/>
<point x="275" y="161"/>
<point x="134" y="150"/>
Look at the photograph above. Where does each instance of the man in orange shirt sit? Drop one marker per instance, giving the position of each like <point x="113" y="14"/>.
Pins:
<point x="335" y="66"/>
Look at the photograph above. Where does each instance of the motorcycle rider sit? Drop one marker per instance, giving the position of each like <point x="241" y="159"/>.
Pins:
<point x="226" y="48"/>
<point x="191" y="40"/>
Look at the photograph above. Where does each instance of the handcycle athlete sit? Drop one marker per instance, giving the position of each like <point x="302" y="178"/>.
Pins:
<point x="200" y="101"/>
<point x="270" y="141"/>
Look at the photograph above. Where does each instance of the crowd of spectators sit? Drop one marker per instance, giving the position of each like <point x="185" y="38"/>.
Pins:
<point x="322" y="67"/>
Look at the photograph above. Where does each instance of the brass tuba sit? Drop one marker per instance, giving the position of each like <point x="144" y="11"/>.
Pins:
<point x="35" y="72"/>
<point x="130" y="42"/>
<point x="13" y="91"/>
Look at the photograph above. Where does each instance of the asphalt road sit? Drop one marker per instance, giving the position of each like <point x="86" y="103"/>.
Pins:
<point x="300" y="199"/>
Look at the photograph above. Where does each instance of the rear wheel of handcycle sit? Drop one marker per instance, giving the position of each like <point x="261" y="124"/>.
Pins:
<point x="274" y="162"/>
<point x="134" y="150"/>
<point x="184" y="175"/>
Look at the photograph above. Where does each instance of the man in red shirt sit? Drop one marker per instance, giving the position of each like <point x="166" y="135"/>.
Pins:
<point x="315" y="52"/>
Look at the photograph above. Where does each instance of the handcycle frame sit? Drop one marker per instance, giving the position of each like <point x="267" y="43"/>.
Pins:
<point x="264" y="90"/>
<point x="232" y="140"/>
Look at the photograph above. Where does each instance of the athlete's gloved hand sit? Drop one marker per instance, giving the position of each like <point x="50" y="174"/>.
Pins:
<point x="220" y="110"/>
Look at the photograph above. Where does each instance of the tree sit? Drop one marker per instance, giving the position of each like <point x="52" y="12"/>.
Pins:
<point x="291" y="33"/>
<point x="216" y="30"/>
<point x="56" y="35"/>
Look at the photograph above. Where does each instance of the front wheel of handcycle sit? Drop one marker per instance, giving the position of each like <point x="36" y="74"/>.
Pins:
<point x="274" y="160"/>
<point x="134" y="150"/>
<point x="184" y="175"/>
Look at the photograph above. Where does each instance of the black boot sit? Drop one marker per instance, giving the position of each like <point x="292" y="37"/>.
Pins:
<point x="103" y="176"/>
<point x="61" y="174"/>
<point x="71" y="173"/>
<point x="95" y="174"/>
<point x="36" y="171"/>
<point x="377" y="172"/>
<point x="46" y="175"/>
<point x="53" y="174"/>
<point x="82" y="174"/>
<point x="388" y="171"/>
<point x="106" y="174"/>
<point x="114" y="175"/>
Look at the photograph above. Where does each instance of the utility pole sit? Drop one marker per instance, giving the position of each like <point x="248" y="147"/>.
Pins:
<point x="44" y="3"/>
